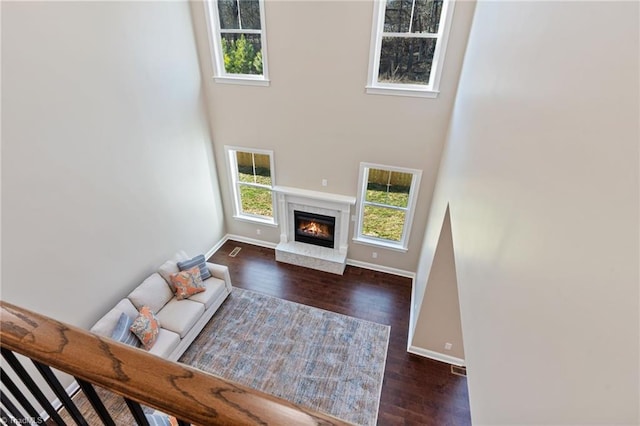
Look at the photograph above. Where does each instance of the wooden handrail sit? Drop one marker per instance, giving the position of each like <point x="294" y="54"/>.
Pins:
<point x="177" y="389"/>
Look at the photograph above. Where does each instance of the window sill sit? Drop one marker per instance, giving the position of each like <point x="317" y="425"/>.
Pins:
<point x="252" y="219"/>
<point x="402" y="91"/>
<point x="246" y="81"/>
<point x="380" y="243"/>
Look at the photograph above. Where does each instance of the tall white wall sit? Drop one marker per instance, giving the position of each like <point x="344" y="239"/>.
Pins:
<point x="541" y="174"/>
<point x="317" y="118"/>
<point x="107" y="165"/>
<point x="438" y="317"/>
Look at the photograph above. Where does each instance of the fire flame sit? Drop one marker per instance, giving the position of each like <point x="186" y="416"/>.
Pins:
<point x="315" y="229"/>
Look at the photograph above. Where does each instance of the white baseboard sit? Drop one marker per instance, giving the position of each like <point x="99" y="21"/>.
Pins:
<point x="57" y="404"/>
<point x="270" y="245"/>
<point x="248" y="240"/>
<point x="239" y="238"/>
<point x="215" y="247"/>
<point x="436" y="356"/>
<point x="381" y="268"/>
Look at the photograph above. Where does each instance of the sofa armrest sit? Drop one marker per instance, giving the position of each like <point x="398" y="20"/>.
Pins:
<point x="221" y="272"/>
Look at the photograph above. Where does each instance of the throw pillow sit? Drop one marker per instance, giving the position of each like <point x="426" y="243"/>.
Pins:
<point x="187" y="283"/>
<point x="146" y="327"/>
<point x="196" y="261"/>
<point x="122" y="332"/>
<point x="161" y="420"/>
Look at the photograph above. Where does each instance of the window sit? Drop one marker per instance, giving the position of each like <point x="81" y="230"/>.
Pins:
<point x="407" y="46"/>
<point x="387" y="203"/>
<point x="238" y="42"/>
<point x="251" y="173"/>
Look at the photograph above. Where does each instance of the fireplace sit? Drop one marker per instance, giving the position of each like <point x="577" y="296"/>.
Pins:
<point x="314" y="228"/>
<point x="308" y="245"/>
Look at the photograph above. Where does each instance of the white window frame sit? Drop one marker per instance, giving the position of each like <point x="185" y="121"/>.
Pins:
<point x="232" y="169"/>
<point x="403" y="244"/>
<point x="431" y="90"/>
<point x="217" y="57"/>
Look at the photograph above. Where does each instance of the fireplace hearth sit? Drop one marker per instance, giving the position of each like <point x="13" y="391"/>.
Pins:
<point x="314" y="228"/>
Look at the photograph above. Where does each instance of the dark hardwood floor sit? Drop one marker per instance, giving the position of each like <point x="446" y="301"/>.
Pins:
<point x="416" y="390"/>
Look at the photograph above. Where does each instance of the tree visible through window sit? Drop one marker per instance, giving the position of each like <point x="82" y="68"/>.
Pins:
<point x="408" y="42"/>
<point x="237" y="30"/>
<point x="240" y="56"/>
<point x="387" y="201"/>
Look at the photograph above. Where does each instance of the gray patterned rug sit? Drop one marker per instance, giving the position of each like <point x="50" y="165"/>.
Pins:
<point x="318" y="359"/>
<point x="314" y="358"/>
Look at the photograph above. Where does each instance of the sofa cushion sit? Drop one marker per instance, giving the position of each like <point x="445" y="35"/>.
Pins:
<point x="106" y="324"/>
<point x="154" y="292"/>
<point x="165" y="344"/>
<point x="166" y="269"/>
<point x="187" y="283"/>
<point x="146" y="327"/>
<point x="198" y="261"/>
<point x="122" y="332"/>
<point x="214" y="288"/>
<point x="180" y="315"/>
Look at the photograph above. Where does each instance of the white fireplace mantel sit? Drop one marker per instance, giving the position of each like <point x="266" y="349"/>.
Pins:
<point x="322" y="258"/>
<point x="316" y="195"/>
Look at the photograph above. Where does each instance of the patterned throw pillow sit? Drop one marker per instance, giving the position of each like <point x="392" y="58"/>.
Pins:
<point x="122" y="332"/>
<point x="187" y="283"/>
<point x="146" y="327"/>
<point x="199" y="262"/>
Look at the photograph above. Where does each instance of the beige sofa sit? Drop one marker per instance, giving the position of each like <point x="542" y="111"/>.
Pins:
<point x="180" y="320"/>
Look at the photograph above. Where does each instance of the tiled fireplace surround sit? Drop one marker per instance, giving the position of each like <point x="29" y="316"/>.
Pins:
<point x="331" y="260"/>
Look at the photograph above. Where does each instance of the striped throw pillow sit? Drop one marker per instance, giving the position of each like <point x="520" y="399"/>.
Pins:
<point x="196" y="261"/>
<point x="161" y="420"/>
<point x="123" y="334"/>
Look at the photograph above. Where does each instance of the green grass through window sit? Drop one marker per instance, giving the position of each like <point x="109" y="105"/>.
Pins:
<point x="256" y="200"/>
<point x="383" y="222"/>
<point x="398" y="199"/>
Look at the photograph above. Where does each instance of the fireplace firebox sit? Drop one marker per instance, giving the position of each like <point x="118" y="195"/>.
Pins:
<point x="314" y="229"/>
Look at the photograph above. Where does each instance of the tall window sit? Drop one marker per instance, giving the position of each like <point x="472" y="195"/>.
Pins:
<point x="251" y="177"/>
<point x="386" y="205"/>
<point x="408" y="45"/>
<point x="238" y="42"/>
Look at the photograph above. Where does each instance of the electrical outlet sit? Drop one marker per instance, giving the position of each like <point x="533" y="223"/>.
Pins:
<point x="374" y="255"/>
<point x="324" y="182"/>
<point x="448" y="346"/>
<point x="258" y="231"/>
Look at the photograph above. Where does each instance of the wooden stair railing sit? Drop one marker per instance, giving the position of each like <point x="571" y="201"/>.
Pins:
<point x="187" y="393"/>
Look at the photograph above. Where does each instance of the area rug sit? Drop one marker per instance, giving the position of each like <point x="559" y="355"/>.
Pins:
<point x="317" y="359"/>
<point x="314" y="358"/>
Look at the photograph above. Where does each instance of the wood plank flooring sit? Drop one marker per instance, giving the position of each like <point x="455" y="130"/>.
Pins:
<point x="416" y="390"/>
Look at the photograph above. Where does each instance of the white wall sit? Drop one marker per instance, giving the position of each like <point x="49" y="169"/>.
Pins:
<point x="107" y="166"/>
<point x="318" y="120"/>
<point x="437" y="321"/>
<point x="541" y="173"/>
